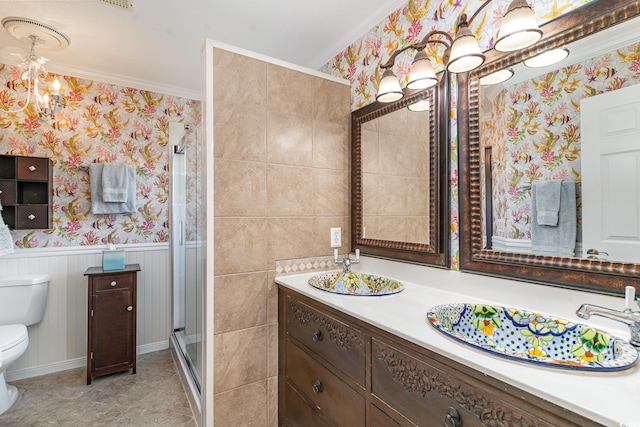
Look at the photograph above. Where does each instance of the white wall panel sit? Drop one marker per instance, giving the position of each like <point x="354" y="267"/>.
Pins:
<point x="59" y="341"/>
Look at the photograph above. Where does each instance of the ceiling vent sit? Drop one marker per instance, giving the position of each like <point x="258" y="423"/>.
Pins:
<point x="28" y="29"/>
<point x="120" y="4"/>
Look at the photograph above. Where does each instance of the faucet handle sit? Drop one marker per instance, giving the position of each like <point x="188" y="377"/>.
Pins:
<point x="629" y="297"/>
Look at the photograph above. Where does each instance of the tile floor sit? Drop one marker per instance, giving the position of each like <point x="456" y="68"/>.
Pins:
<point x="152" y="397"/>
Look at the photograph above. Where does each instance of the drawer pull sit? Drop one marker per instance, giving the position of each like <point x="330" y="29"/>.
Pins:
<point x="317" y="386"/>
<point x="32" y="168"/>
<point x="113" y="283"/>
<point x="317" y="336"/>
<point x="452" y="418"/>
<point x="130" y="308"/>
<point x="31" y="217"/>
<point x="0" y="191"/>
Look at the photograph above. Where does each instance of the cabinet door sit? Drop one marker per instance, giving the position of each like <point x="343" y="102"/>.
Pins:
<point x="112" y="339"/>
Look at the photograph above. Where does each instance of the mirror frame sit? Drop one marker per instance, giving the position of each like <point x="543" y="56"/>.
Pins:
<point x="601" y="276"/>
<point x="437" y="251"/>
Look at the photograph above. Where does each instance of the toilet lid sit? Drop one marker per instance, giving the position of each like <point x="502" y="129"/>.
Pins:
<point x="12" y="335"/>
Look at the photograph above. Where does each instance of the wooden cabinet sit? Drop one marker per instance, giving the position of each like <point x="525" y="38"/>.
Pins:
<point x="335" y="370"/>
<point x="26" y="191"/>
<point x="111" y="330"/>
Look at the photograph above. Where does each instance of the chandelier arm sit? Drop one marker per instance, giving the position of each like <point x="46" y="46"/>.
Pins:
<point x="426" y="39"/>
<point x="393" y="57"/>
<point x="419" y="46"/>
<point x="26" y="104"/>
<point x="477" y="12"/>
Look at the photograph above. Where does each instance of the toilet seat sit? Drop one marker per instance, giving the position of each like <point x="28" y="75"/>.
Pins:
<point x="12" y="336"/>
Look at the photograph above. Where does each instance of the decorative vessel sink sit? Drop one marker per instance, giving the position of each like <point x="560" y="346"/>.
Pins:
<point x="533" y="337"/>
<point x="356" y="284"/>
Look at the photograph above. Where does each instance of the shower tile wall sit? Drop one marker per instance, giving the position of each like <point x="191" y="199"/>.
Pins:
<point x="281" y="182"/>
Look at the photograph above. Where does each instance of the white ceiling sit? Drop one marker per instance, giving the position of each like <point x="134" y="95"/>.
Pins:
<point x="158" y="44"/>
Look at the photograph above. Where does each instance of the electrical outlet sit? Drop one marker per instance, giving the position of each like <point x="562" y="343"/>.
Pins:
<point x="336" y="237"/>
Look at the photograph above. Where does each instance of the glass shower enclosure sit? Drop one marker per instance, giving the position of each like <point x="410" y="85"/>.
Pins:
<point x="186" y="222"/>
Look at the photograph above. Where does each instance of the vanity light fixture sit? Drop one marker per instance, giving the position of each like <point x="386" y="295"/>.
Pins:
<point x="46" y="101"/>
<point x="422" y="75"/>
<point x="500" y="76"/>
<point x="518" y="30"/>
<point x="422" y="105"/>
<point x="549" y="57"/>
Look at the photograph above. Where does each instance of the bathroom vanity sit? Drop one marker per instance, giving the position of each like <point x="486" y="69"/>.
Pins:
<point x="375" y="361"/>
<point x="111" y="324"/>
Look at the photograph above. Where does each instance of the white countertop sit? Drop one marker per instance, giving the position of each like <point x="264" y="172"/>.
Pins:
<point x="608" y="398"/>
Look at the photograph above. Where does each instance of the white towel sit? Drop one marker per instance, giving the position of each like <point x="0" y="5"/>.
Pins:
<point x="6" y="242"/>
<point x="99" y="206"/>
<point x="114" y="183"/>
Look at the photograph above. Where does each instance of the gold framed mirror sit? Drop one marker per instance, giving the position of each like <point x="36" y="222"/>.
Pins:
<point x="478" y="251"/>
<point x="399" y="178"/>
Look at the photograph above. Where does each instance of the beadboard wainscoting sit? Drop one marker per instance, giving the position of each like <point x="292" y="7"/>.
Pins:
<point x="59" y="342"/>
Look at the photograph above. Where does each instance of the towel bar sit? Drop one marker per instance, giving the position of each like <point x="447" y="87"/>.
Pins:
<point x="143" y="171"/>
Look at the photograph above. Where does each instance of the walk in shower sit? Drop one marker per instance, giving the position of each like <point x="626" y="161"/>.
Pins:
<point x="186" y="223"/>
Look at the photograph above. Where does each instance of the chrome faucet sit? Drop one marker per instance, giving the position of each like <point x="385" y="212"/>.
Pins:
<point x="346" y="262"/>
<point x="628" y="316"/>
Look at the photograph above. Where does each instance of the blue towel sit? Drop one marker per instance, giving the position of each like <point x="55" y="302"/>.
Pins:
<point x="548" y="201"/>
<point x="6" y="242"/>
<point x="559" y="239"/>
<point x="98" y="205"/>
<point x="114" y="183"/>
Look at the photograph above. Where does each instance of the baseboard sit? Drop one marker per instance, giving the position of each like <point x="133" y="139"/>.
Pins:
<point x="79" y="362"/>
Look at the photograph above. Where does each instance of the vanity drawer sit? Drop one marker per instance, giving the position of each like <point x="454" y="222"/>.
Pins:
<point x="342" y="345"/>
<point x="334" y="399"/>
<point x="300" y="413"/>
<point x="380" y="419"/>
<point x="425" y="392"/>
<point x="110" y="282"/>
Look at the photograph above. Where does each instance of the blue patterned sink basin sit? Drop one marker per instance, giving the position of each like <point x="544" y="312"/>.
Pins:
<point x="356" y="284"/>
<point x="533" y="337"/>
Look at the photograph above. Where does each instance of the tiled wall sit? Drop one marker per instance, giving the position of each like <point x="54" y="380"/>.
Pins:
<point x="395" y="162"/>
<point x="281" y="179"/>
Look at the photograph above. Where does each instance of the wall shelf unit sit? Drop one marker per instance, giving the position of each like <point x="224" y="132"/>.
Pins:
<point x="26" y="192"/>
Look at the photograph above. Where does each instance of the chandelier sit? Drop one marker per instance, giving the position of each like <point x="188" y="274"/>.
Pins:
<point x="46" y="101"/>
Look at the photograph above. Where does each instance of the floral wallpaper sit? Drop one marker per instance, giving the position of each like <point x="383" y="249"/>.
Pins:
<point x="101" y="123"/>
<point x="360" y="61"/>
<point x="534" y="129"/>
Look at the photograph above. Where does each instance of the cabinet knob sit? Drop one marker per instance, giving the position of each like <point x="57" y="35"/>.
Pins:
<point x="0" y="191"/>
<point x="317" y="336"/>
<point x="113" y="283"/>
<point x="31" y="217"/>
<point x="32" y="168"/>
<point x="130" y="308"/>
<point x="452" y="418"/>
<point x="317" y="386"/>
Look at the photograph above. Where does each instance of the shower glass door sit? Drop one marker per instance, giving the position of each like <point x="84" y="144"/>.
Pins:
<point x="186" y="239"/>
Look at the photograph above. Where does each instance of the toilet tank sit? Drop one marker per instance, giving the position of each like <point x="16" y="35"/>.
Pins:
<point x="23" y="298"/>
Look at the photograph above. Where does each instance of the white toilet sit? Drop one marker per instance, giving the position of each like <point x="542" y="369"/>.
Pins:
<point x="22" y="303"/>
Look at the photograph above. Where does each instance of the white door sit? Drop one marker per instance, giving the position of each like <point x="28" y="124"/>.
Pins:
<point x="610" y="126"/>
